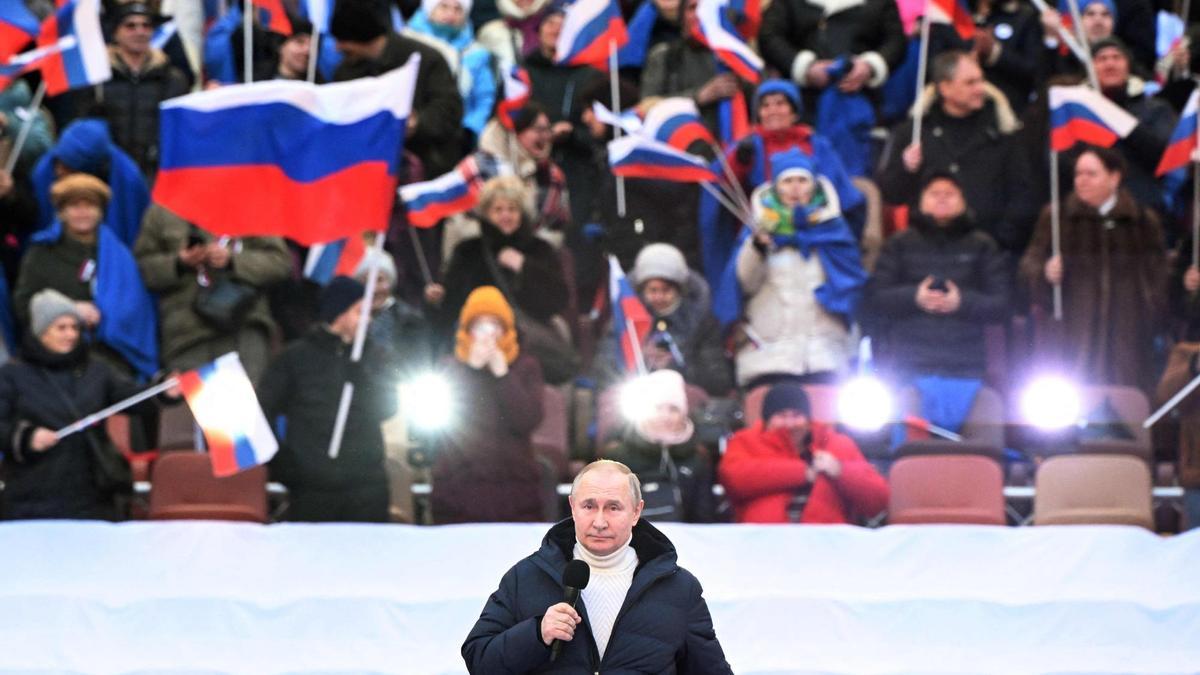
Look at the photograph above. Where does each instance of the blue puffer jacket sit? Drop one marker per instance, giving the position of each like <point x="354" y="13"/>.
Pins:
<point x="663" y="626"/>
<point x="470" y="63"/>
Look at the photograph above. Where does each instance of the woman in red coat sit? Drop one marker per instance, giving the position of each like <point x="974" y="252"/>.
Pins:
<point x="788" y="469"/>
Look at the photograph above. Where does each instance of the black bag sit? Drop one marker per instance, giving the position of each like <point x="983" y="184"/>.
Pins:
<point x="225" y="302"/>
<point x="661" y="495"/>
<point x="559" y="360"/>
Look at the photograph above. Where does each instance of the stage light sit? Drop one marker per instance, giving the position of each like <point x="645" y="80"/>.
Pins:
<point x="1051" y="403"/>
<point x="635" y="401"/>
<point x="428" y="401"/>
<point x="864" y="404"/>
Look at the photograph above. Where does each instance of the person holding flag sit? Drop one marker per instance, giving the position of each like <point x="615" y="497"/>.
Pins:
<point x="1112" y="270"/>
<point x="54" y="383"/>
<point x="142" y="77"/>
<point x="800" y="273"/>
<point x="299" y="394"/>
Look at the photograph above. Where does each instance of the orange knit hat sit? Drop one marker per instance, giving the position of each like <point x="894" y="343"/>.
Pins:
<point x="487" y="300"/>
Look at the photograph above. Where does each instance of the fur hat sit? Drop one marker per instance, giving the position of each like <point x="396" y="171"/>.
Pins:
<point x="79" y="186"/>
<point x="339" y="296"/>
<point x="358" y="20"/>
<point x="46" y="306"/>
<point x="660" y="261"/>
<point x="487" y="300"/>
<point x="785" y="397"/>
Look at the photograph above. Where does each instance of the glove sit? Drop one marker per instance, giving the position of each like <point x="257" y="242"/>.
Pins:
<point x="744" y="153"/>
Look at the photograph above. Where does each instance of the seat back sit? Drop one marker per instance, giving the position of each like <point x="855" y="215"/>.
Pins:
<point x="984" y="423"/>
<point x="176" y="428"/>
<point x="183" y="488"/>
<point x="1093" y="490"/>
<point x="937" y="446"/>
<point x="550" y="438"/>
<point x="946" y="489"/>
<point x="1132" y="408"/>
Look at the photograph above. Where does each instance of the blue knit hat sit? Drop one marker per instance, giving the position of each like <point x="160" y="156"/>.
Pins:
<point x="1109" y="4"/>
<point x="778" y="87"/>
<point x="791" y="161"/>
<point x="84" y="146"/>
<point x="339" y="296"/>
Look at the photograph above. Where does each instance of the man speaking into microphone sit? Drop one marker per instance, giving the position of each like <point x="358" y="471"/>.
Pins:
<point x="637" y="611"/>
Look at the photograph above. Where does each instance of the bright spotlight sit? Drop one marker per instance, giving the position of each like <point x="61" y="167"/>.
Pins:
<point x="635" y="401"/>
<point x="428" y="401"/>
<point x="864" y="404"/>
<point x="1051" y="403"/>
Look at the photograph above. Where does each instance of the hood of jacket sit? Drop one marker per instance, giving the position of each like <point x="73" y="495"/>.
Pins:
<point x="1007" y="121"/>
<point x="830" y="210"/>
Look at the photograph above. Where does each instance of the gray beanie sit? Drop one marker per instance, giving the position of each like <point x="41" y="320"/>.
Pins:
<point x="46" y="306"/>
<point x="383" y="262"/>
<point x="660" y="261"/>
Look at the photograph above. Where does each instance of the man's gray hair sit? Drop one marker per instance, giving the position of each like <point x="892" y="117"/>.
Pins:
<point x="635" y="485"/>
<point x="944" y="66"/>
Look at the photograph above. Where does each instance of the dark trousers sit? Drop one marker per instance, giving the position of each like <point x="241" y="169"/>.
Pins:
<point x="364" y="503"/>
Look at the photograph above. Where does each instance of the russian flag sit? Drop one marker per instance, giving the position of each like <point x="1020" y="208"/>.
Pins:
<point x="631" y="321"/>
<point x="1080" y="114"/>
<point x="337" y="258"/>
<point x="955" y="13"/>
<point x="313" y="163"/>
<point x="18" y="27"/>
<point x="1182" y="148"/>
<point x="28" y="61"/>
<point x="588" y="29"/>
<point x="642" y="157"/>
<point x="516" y="95"/>
<point x="628" y="120"/>
<point x="715" y="27"/>
<point x="82" y="57"/>
<point x="676" y="122"/>
<point x="225" y="406"/>
<point x="274" y="16"/>
<point x="451" y="193"/>
<point x="163" y="34"/>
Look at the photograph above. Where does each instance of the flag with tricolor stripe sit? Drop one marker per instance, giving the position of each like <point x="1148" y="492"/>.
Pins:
<point x="676" y="122"/>
<point x="631" y="320"/>
<point x="590" y="28"/>
<point x="516" y="94"/>
<point x="1181" y="149"/>
<point x="639" y="156"/>
<point x="274" y="16"/>
<point x="80" y="55"/>
<point x="716" y="27"/>
<point x="225" y="407"/>
<point x="954" y="13"/>
<point x="337" y="258"/>
<point x="18" y="27"/>
<point x="451" y="193"/>
<point x="1080" y="114"/>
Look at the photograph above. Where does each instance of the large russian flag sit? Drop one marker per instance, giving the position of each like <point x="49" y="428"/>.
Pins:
<point x="225" y="406"/>
<point x="676" y="122"/>
<point x="956" y="13"/>
<point x="1081" y="114"/>
<point x="517" y="88"/>
<point x="715" y="27"/>
<point x="82" y="56"/>
<point x="642" y="157"/>
<point x="451" y="193"/>
<point x="18" y="27"/>
<point x="589" y="28"/>
<point x="1182" y="148"/>
<point x="631" y="321"/>
<point x="285" y="158"/>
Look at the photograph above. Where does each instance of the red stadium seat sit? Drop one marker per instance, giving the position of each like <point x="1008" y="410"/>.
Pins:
<point x="946" y="489"/>
<point x="183" y="488"/>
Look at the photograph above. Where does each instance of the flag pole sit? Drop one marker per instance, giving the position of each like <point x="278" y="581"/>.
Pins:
<point x="615" y="89"/>
<point x="1079" y="52"/>
<point x="248" y="41"/>
<point x="636" y="341"/>
<point x="735" y="186"/>
<point x="115" y="408"/>
<point x="360" y="337"/>
<point x="922" y="66"/>
<point x="1077" y="20"/>
<point x="1055" y="232"/>
<point x="1170" y="404"/>
<point x="724" y="201"/>
<point x="420" y="252"/>
<point x="35" y="105"/>
<point x="314" y="47"/>
<point x="1196" y="199"/>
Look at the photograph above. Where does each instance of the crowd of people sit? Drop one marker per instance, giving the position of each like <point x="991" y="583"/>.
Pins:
<point x="916" y="219"/>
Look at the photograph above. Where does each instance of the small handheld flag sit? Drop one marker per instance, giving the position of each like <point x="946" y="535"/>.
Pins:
<point x="1080" y="114"/>
<point x="81" y="55"/>
<point x="715" y="27"/>
<point x="588" y="30"/>
<point x="631" y="321"/>
<point x="642" y="157"/>
<point x="516" y="94"/>
<point x="18" y="27"/>
<point x="676" y="122"/>
<point x="449" y="194"/>
<point x="955" y="13"/>
<point x="1181" y="150"/>
<point x="226" y="409"/>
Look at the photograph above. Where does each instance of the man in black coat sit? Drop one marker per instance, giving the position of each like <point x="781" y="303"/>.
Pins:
<point x="304" y="385"/>
<point x="640" y="612"/>
<point x="937" y="285"/>
<point x="371" y="49"/>
<point x="969" y="132"/>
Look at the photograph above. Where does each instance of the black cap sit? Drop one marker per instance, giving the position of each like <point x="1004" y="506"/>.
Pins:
<point x="358" y="20"/>
<point x="786" y="397"/>
<point x="339" y="296"/>
<point x="125" y="10"/>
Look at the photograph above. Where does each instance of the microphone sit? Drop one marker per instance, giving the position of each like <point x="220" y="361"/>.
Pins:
<point x="575" y="579"/>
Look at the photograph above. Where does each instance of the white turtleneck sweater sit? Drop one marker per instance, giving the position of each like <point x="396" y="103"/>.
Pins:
<point x="611" y="577"/>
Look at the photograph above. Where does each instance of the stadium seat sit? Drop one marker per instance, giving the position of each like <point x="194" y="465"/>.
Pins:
<point x="984" y="424"/>
<point x="550" y="438"/>
<point x="176" y="429"/>
<point x="183" y="488"/>
<point x="936" y="446"/>
<point x="1093" y="490"/>
<point x="964" y="489"/>
<point x="1132" y="408"/>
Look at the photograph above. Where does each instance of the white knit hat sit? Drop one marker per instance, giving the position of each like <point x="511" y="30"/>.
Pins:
<point x="660" y="261"/>
<point x="428" y="5"/>
<point x="383" y="262"/>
